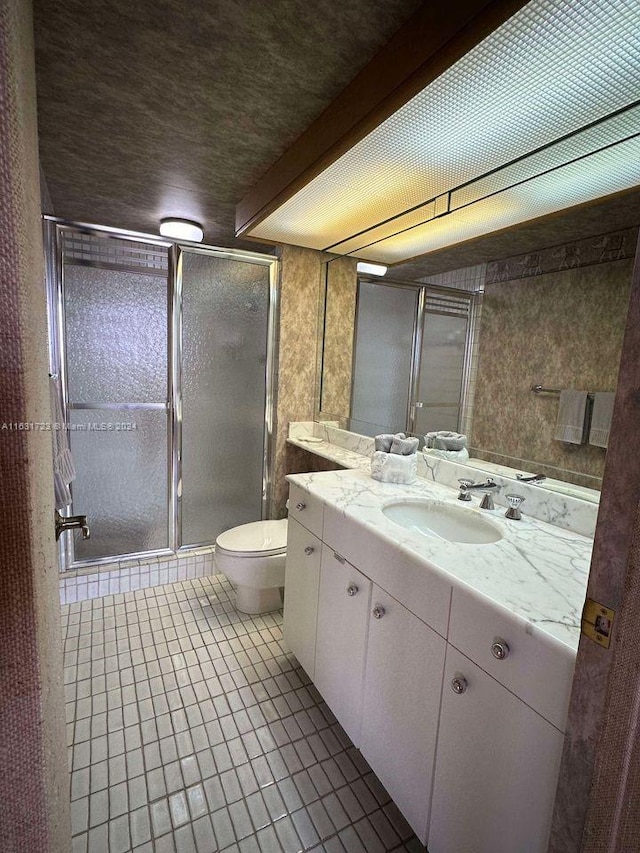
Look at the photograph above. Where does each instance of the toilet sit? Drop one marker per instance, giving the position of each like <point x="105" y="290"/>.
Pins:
<point x="252" y="557"/>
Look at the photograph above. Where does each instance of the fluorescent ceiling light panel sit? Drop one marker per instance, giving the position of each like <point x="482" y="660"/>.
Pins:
<point x="554" y="67"/>
<point x="600" y="174"/>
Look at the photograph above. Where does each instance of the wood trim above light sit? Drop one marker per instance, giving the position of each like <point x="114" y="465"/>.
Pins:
<point x="431" y="41"/>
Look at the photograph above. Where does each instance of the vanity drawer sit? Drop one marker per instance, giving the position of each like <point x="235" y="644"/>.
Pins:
<point x="532" y="665"/>
<point x="306" y="509"/>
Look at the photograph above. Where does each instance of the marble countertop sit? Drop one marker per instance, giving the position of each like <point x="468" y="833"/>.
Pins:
<point x="340" y="455"/>
<point x="354" y="451"/>
<point x="536" y="571"/>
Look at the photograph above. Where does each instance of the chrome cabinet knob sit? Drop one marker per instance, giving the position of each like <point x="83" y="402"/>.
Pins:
<point x="352" y="589"/>
<point x="301" y="506"/>
<point x="500" y="650"/>
<point x="339" y="558"/>
<point x="378" y="611"/>
<point x="459" y="684"/>
<point x="309" y="550"/>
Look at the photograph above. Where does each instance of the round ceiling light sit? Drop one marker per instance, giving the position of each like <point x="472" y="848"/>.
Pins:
<point x="181" y="229"/>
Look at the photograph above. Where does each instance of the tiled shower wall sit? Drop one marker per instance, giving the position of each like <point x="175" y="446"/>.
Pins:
<point x="127" y="575"/>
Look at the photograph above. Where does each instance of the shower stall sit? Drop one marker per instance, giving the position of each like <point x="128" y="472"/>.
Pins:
<point x="165" y="355"/>
<point x="412" y="357"/>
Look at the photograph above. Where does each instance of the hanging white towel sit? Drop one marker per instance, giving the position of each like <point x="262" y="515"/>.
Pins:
<point x="601" y="418"/>
<point x="64" y="471"/>
<point x="572" y="411"/>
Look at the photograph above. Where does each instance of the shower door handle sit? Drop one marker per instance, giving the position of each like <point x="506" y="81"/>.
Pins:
<point x="73" y="522"/>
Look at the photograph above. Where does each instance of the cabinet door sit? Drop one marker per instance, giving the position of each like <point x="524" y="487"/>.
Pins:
<point x="496" y="768"/>
<point x="403" y="682"/>
<point x="343" y="613"/>
<point x="302" y="577"/>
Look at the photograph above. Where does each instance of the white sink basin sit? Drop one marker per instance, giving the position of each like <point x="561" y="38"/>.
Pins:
<point x="442" y="521"/>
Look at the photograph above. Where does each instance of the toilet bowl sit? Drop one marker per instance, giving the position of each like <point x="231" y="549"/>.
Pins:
<point x="252" y="557"/>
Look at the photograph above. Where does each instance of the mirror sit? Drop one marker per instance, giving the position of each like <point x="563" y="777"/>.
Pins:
<point x="554" y="318"/>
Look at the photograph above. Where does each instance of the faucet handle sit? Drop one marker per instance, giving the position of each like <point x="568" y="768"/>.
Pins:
<point x="515" y="502"/>
<point x="464" y="494"/>
<point x="487" y="501"/>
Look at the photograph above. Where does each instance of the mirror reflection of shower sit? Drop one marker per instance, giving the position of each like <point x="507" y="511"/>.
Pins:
<point x="165" y="354"/>
<point x="395" y="355"/>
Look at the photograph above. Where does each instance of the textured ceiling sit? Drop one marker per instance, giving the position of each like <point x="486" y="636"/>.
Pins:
<point x="175" y="107"/>
<point x="178" y="108"/>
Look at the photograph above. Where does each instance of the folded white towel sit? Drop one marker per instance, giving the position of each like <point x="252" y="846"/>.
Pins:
<point x="392" y="468"/>
<point x="572" y="410"/>
<point x="445" y="440"/>
<point x="601" y="418"/>
<point x="404" y="446"/>
<point x="385" y="440"/>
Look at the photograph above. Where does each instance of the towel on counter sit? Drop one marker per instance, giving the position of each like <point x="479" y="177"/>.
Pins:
<point x="601" y="418"/>
<point x="64" y="471"/>
<point x="445" y="440"/>
<point x="385" y="440"/>
<point x="572" y="411"/>
<point x="392" y="468"/>
<point x="404" y="446"/>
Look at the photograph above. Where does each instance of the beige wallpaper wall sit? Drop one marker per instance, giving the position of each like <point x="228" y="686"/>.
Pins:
<point x="339" y="319"/>
<point x="301" y="288"/>
<point x="557" y="319"/>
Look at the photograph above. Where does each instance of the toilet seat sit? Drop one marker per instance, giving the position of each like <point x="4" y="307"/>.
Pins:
<point x="253" y="558"/>
<point x="256" y="539"/>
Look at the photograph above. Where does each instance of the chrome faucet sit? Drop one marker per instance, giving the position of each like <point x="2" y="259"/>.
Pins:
<point x="536" y="478"/>
<point x="468" y="485"/>
<point x="73" y="522"/>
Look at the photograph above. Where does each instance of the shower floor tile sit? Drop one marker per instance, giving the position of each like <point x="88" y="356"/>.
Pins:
<point x="191" y="730"/>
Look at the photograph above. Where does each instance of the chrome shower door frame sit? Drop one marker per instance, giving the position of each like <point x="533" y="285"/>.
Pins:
<point x="176" y="337"/>
<point x="424" y="290"/>
<point x="54" y="229"/>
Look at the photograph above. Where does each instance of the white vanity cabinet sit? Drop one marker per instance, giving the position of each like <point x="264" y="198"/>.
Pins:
<point x="496" y="767"/>
<point x="341" y="640"/>
<point x="457" y="702"/>
<point x="302" y="580"/>
<point x="405" y="662"/>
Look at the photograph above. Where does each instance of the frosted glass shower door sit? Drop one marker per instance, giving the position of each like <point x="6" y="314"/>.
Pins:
<point x="442" y="359"/>
<point x="115" y="323"/>
<point x="225" y="323"/>
<point x="386" y="318"/>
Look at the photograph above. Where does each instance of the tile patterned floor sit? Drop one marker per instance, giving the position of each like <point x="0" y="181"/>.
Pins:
<point x="191" y="729"/>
